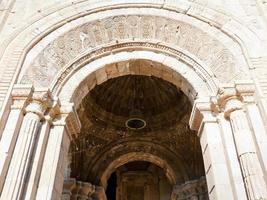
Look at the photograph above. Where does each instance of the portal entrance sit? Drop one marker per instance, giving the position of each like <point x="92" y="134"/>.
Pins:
<point x="136" y="143"/>
<point x="138" y="180"/>
<point x="108" y="60"/>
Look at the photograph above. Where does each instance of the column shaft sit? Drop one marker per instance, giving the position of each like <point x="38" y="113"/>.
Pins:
<point x="249" y="162"/>
<point x="8" y="141"/>
<point x="20" y="96"/>
<point x="217" y="174"/>
<point x="21" y="160"/>
<point x="31" y="189"/>
<point x="55" y="161"/>
<point x="259" y="136"/>
<point x="238" y="184"/>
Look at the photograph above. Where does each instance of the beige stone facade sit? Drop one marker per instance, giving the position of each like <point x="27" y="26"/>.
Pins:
<point x="70" y="69"/>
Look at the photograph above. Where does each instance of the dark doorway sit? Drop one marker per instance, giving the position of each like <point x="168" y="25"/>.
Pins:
<point x="112" y="186"/>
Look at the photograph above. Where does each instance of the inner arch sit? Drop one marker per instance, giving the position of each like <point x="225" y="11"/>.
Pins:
<point x="76" y="86"/>
<point x="106" y="144"/>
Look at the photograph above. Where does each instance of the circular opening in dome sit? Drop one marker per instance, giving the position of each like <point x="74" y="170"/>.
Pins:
<point x="135" y="123"/>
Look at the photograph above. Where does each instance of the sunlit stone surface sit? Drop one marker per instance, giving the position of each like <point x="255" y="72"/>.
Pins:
<point x="133" y="100"/>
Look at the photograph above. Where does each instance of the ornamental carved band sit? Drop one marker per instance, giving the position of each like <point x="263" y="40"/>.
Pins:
<point x="88" y="37"/>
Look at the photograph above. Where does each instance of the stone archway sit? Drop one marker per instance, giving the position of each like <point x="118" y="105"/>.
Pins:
<point x="200" y="76"/>
<point x="105" y="144"/>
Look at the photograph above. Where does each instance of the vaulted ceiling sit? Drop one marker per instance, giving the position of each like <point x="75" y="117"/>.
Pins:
<point x="105" y="136"/>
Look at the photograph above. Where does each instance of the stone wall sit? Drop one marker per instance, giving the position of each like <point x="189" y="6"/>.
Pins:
<point x="226" y="83"/>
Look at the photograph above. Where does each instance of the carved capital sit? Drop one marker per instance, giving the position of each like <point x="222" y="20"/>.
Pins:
<point x="68" y="117"/>
<point x="54" y="111"/>
<point x="41" y="101"/>
<point x="21" y="95"/>
<point x="232" y="97"/>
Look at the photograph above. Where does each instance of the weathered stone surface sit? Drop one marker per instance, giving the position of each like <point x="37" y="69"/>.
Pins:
<point x="71" y="47"/>
<point x="84" y="38"/>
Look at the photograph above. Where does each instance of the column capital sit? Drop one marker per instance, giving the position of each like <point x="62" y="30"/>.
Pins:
<point x="41" y="100"/>
<point x="54" y="111"/>
<point x="67" y="116"/>
<point x="21" y="95"/>
<point x="246" y="91"/>
<point x="203" y="109"/>
<point x="232" y="97"/>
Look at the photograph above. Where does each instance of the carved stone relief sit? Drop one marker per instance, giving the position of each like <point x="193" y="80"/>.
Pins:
<point x="121" y="29"/>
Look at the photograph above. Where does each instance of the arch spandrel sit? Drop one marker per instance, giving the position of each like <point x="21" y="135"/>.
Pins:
<point x="63" y="47"/>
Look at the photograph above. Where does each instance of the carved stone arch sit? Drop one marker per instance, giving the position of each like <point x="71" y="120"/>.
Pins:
<point x="30" y="33"/>
<point x="236" y="46"/>
<point x="62" y="48"/>
<point x="169" y="68"/>
<point x="116" y="155"/>
<point x="137" y="156"/>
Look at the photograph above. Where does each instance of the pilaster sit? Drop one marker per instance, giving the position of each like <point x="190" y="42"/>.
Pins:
<point x="238" y="185"/>
<point x="31" y="188"/>
<point x="64" y="126"/>
<point x="21" y="161"/>
<point x="216" y="170"/>
<point x="256" y="121"/>
<point x="232" y="100"/>
<point x="21" y="95"/>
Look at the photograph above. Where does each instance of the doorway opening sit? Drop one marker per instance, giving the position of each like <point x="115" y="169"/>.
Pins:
<point x="135" y="141"/>
<point x="112" y="187"/>
<point x="138" y="180"/>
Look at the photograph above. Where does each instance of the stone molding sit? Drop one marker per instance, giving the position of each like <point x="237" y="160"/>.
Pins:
<point x="235" y="101"/>
<point x="66" y="115"/>
<point x="83" y="80"/>
<point x="204" y="110"/>
<point x="21" y="95"/>
<point x="230" y="97"/>
<point x="35" y="100"/>
<point x="142" y="151"/>
<point x="30" y="33"/>
<point x="233" y="97"/>
<point x="130" y="46"/>
<point x="41" y="101"/>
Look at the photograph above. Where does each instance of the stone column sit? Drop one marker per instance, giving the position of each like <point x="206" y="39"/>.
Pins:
<point x="34" y="176"/>
<point x="64" y="126"/>
<point x="256" y="120"/>
<point x="238" y="184"/>
<point x="20" y="96"/>
<point x="230" y="100"/>
<point x="204" y="120"/>
<point x="21" y="161"/>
